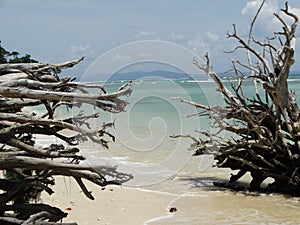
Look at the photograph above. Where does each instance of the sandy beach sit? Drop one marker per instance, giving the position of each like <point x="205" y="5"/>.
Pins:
<point x="113" y="205"/>
<point x="191" y="191"/>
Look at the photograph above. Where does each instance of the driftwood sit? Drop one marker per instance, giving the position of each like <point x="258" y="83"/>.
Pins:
<point x="266" y="128"/>
<point x="30" y="169"/>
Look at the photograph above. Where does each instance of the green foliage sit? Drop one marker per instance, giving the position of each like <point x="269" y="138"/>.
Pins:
<point x="13" y="57"/>
<point x="23" y="59"/>
<point x="3" y="54"/>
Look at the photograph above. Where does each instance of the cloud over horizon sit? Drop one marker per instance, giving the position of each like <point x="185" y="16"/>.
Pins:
<point x="58" y="30"/>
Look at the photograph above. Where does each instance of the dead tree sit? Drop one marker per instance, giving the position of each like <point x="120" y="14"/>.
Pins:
<point x="30" y="169"/>
<point x="265" y="127"/>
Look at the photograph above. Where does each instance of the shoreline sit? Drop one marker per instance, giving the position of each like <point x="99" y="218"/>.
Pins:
<point x="116" y="205"/>
<point x="112" y="205"/>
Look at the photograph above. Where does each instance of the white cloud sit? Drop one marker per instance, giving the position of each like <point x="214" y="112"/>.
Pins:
<point x="203" y="43"/>
<point x="268" y="9"/>
<point x="122" y="57"/>
<point x="212" y="36"/>
<point x="296" y="11"/>
<point x="175" y="37"/>
<point x="144" y="55"/>
<point x="145" y="35"/>
<point x="266" y="22"/>
<point x="199" y="45"/>
<point x="81" y="50"/>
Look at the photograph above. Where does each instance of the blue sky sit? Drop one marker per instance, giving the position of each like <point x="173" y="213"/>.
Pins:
<point x="56" y="30"/>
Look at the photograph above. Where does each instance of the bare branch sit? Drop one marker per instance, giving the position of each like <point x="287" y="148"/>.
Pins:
<point x="246" y="46"/>
<point x="265" y="128"/>
<point x="31" y="168"/>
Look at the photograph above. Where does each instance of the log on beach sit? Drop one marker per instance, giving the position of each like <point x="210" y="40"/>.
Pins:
<point x="30" y="169"/>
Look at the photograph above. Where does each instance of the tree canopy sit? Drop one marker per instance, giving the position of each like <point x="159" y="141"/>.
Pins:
<point x="14" y="57"/>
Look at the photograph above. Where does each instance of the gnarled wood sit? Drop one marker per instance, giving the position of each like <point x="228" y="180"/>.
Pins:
<point x="29" y="168"/>
<point x="266" y="127"/>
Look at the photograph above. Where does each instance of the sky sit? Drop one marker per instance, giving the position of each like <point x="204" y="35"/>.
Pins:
<point x="55" y="31"/>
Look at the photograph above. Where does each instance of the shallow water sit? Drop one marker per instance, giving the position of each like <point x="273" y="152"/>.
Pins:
<point x="160" y="163"/>
<point x="220" y="207"/>
<point x="199" y="202"/>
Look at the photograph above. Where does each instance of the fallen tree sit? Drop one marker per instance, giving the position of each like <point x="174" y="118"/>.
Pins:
<point x="30" y="169"/>
<point x="266" y="127"/>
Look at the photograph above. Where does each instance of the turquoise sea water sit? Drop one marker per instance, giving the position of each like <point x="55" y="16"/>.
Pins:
<point x="144" y="148"/>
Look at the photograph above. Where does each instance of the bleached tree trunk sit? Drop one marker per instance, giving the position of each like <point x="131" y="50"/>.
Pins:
<point x="267" y="126"/>
<point x="30" y="168"/>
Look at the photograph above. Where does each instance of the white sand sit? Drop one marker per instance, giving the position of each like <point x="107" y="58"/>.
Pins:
<point x="114" y="205"/>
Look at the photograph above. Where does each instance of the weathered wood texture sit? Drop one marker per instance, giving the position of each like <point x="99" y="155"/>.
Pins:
<point x="30" y="169"/>
<point x="266" y="127"/>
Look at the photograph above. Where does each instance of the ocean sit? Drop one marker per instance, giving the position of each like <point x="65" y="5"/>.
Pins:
<point x="159" y="163"/>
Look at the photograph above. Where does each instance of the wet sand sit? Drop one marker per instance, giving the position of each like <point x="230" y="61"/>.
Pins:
<point x="195" y="204"/>
<point x="190" y="190"/>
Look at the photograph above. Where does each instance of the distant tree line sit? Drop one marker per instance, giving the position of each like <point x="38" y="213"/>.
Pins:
<point x="14" y="57"/>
